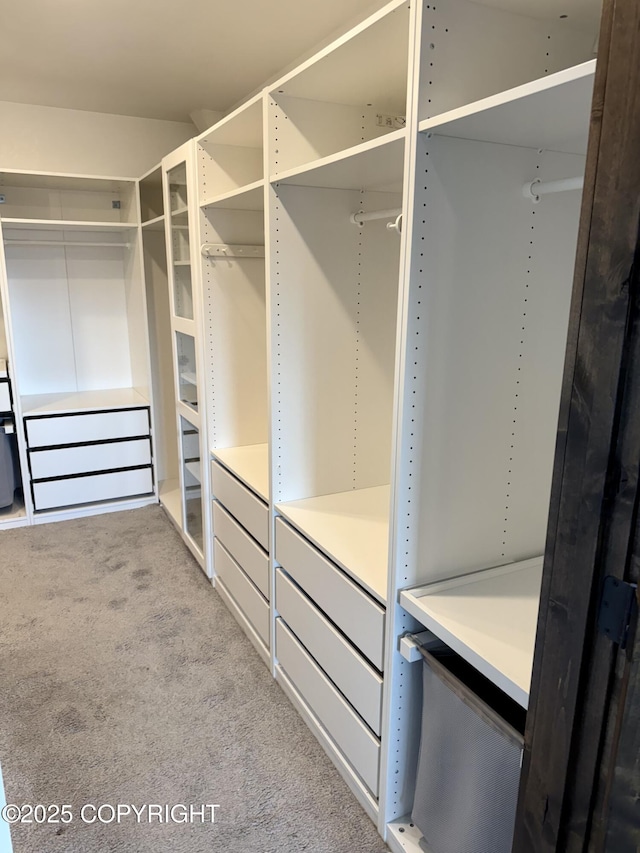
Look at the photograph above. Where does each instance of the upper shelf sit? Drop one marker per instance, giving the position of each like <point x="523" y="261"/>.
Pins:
<point x="78" y="401"/>
<point x="350" y="527"/>
<point x="367" y="65"/>
<point x="489" y="618"/>
<point x="248" y="197"/>
<point x="156" y="224"/>
<point x="550" y="113"/>
<point x="242" y="127"/>
<point x="250" y="463"/>
<point x="374" y="165"/>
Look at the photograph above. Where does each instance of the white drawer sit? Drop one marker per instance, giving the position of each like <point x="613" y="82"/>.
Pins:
<point x="244" y="550"/>
<point x="345" y="603"/>
<point x="97" y="487"/>
<point x="94" y="426"/>
<point x="247" y="508"/>
<point x="5" y="397"/>
<point x="354" y="739"/>
<point x="89" y="457"/>
<point x="243" y="592"/>
<point x="352" y="675"/>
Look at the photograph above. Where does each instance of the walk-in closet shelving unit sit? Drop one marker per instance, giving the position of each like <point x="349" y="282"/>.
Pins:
<point x="154" y="246"/>
<point x="230" y="160"/>
<point x="502" y="109"/>
<point x="185" y="302"/>
<point x="337" y="155"/>
<point x="75" y="311"/>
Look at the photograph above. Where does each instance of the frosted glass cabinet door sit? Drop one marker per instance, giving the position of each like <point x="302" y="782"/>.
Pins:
<point x="181" y="267"/>
<point x="192" y="479"/>
<point x="187" y="378"/>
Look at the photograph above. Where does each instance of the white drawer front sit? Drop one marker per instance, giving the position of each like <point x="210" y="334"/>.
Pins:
<point x="247" y="508"/>
<point x="72" y="429"/>
<point x="351" y="735"/>
<point x="244" y="550"/>
<point x="89" y="457"/>
<point x="348" y="670"/>
<point x="5" y="397"/>
<point x="98" y="487"/>
<point x="244" y="593"/>
<point x="345" y="603"/>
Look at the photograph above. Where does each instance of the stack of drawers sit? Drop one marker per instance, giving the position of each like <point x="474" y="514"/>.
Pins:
<point x="241" y="552"/>
<point x="87" y="457"/>
<point x="330" y="645"/>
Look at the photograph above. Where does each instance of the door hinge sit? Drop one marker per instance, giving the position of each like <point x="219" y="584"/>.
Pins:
<point x="618" y="610"/>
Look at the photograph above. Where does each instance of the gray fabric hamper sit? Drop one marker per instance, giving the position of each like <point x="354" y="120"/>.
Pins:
<point x="7" y="472"/>
<point x="469" y="761"/>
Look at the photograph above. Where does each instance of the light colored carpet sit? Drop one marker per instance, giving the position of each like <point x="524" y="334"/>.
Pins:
<point x="126" y="680"/>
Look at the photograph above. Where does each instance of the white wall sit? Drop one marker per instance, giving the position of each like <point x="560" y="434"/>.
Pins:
<point x="49" y="139"/>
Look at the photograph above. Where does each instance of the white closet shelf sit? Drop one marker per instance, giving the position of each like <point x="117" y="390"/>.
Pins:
<point x="374" y="165"/>
<point x="366" y="65"/>
<point x="489" y="618"/>
<point x="242" y="128"/>
<point x="66" y="225"/>
<point x="550" y="113"/>
<point x="77" y="401"/>
<point x="179" y="211"/>
<point x="352" y="528"/>
<point x="171" y="499"/>
<point x="248" y="197"/>
<point x="182" y="263"/>
<point x="250" y="463"/>
<point x="194" y="469"/>
<point x="156" y="224"/>
<point x="189" y="378"/>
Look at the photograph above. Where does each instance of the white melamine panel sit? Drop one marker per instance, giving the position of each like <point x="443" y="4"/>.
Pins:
<point x="550" y="113"/>
<point x="489" y="618"/>
<point x="91" y="457"/>
<point x="40" y="319"/>
<point x="99" y="317"/>
<point x="249" y="197"/>
<point x="244" y="550"/>
<point x="243" y="504"/>
<point x="351" y="674"/>
<point x="251" y="633"/>
<point x="352" y="736"/>
<point x="5" y="397"/>
<point x="334" y="293"/>
<point x="244" y="593"/>
<point x="223" y="168"/>
<point x="70" y="429"/>
<point x="236" y="330"/>
<point x="250" y="463"/>
<point x="494" y="277"/>
<point x="79" y="401"/>
<point x="470" y="52"/>
<point x="368" y="65"/>
<point x="345" y="603"/>
<point x="97" y="487"/>
<point x="242" y="127"/>
<point x="352" y="528"/>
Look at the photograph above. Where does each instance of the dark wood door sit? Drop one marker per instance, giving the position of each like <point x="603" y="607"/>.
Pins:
<point x="580" y="780"/>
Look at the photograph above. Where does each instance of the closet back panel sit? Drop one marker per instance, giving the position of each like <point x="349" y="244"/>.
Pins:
<point x="69" y="205"/>
<point x="236" y="337"/>
<point x="223" y="168"/>
<point x="496" y="282"/>
<point x="69" y="315"/>
<point x="334" y="305"/>
<point x="470" y="51"/>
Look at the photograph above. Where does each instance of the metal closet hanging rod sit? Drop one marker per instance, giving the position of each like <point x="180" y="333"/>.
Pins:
<point x="360" y="217"/>
<point x="534" y="189"/>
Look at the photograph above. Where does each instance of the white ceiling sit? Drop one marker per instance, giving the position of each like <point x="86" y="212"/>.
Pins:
<point x="168" y="58"/>
<point x="157" y="58"/>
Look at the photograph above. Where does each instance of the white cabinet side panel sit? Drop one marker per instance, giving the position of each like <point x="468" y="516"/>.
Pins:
<point x="496" y="279"/>
<point x="99" y="318"/>
<point x="334" y="303"/>
<point x="470" y="51"/>
<point x="41" y="319"/>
